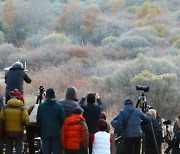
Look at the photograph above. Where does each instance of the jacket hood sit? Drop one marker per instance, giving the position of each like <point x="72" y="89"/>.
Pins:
<point x="71" y="93"/>
<point x="15" y="102"/>
<point x="73" y="119"/>
<point x="129" y="107"/>
<point x="50" y="101"/>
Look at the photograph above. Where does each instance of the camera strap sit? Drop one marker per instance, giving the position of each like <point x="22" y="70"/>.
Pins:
<point x="124" y="126"/>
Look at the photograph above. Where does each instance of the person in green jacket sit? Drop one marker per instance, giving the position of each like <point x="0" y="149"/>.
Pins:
<point x="50" y="117"/>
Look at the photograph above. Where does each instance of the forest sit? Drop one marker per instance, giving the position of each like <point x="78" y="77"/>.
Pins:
<point x="103" y="46"/>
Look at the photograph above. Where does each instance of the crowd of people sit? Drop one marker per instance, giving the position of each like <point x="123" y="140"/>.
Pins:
<point x="69" y="126"/>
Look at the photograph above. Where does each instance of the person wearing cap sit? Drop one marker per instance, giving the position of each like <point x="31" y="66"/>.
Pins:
<point x="132" y="132"/>
<point x="70" y="102"/>
<point x="50" y="117"/>
<point x="14" y="78"/>
<point x="15" y="117"/>
<point x="92" y="112"/>
<point x="75" y="137"/>
<point x="174" y="143"/>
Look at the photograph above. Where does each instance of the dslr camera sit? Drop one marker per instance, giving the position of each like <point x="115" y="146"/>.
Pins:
<point x="142" y="88"/>
<point x="167" y="122"/>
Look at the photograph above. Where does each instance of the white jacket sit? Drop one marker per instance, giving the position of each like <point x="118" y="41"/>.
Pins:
<point x="101" y="143"/>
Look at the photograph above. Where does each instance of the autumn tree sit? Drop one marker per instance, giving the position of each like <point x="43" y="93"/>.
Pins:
<point x="70" y="20"/>
<point x="90" y="17"/>
<point x="9" y="18"/>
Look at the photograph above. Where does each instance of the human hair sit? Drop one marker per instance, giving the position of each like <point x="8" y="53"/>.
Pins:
<point x="153" y="113"/>
<point x="91" y="98"/>
<point x="102" y="116"/>
<point x="78" y="110"/>
<point x="102" y="125"/>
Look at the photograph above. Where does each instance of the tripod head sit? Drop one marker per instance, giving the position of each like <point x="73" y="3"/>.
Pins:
<point x="40" y="95"/>
<point x="142" y="102"/>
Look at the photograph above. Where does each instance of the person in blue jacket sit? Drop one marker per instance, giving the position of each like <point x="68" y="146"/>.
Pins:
<point x="132" y="132"/>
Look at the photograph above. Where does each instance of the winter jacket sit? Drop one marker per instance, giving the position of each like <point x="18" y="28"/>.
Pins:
<point x="69" y="103"/>
<point x="15" y="117"/>
<point x="14" y="78"/>
<point x="151" y="129"/>
<point x="174" y="143"/>
<point x="91" y="114"/>
<point x="50" y="116"/>
<point x="101" y="143"/>
<point x="75" y="133"/>
<point x="133" y="126"/>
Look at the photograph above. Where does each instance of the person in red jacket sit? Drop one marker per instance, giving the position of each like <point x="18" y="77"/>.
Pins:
<point x="75" y="136"/>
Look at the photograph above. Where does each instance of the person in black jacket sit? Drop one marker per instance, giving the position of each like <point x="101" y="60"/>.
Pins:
<point x="14" y="78"/>
<point x="92" y="112"/>
<point x="153" y="134"/>
<point x="174" y="143"/>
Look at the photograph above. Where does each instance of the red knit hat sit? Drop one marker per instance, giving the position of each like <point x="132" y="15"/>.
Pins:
<point x="17" y="94"/>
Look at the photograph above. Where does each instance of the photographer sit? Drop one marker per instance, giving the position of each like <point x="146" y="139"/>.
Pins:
<point x="131" y="117"/>
<point x="153" y="134"/>
<point x="92" y="112"/>
<point x="14" y="79"/>
<point x="174" y="143"/>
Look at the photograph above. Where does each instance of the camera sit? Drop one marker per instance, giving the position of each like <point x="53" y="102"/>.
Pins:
<point x="41" y="90"/>
<point x="167" y="122"/>
<point x="142" y="88"/>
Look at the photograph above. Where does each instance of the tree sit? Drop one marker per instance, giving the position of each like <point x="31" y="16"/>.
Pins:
<point x="9" y="14"/>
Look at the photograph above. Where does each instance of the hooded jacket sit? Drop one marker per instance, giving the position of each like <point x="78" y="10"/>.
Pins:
<point x="50" y="116"/>
<point x="75" y="133"/>
<point x="14" y="78"/>
<point x="133" y="126"/>
<point x="15" y="117"/>
<point x="69" y="103"/>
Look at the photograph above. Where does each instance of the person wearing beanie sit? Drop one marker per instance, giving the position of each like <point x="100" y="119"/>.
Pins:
<point x="75" y="136"/>
<point x="70" y="101"/>
<point x="50" y="117"/>
<point x="15" y="117"/>
<point x="132" y="131"/>
<point x="16" y="94"/>
<point x="92" y="112"/>
<point x="14" y="79"/>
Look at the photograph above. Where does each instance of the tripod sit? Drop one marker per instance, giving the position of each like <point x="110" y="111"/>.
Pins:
<point x="142" y="102"/>
<point x="32" y="129"/>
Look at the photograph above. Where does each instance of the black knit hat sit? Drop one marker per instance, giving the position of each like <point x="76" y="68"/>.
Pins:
<point x="128" y="101"/>
<point x="50" y="93"/>
<point x="91" y="98"/>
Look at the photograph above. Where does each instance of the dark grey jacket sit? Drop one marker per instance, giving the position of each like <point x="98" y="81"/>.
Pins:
<point x="69" y="103"/>
<point x="14" y="78"/>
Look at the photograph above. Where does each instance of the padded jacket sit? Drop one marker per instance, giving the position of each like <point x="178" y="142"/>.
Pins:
<point x="133" y="126"/>
<point x="75" y="133"/>
<point x="15" y="117"/>
<point x="14" y="78"/>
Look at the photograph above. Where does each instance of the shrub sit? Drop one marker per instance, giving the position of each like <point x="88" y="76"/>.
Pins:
<point x="117" y="5"/>
<point x="1" y="37"/>
<point x="131" y="42"/>
<point x="177" y="44"/>
<point x="105" y="27"/>
<point x="6" y="50"/>
<point x="109" y="40"/>
<point x="55" y="38"/>
<point x="148" y="9"/>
